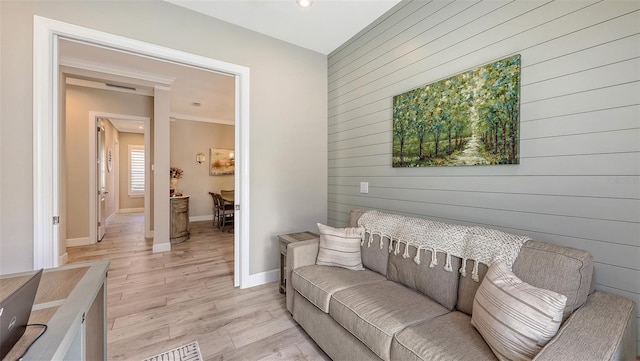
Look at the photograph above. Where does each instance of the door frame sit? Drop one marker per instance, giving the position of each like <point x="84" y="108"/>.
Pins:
<point x="46" y="128"/>
<point x="93" y="190"/>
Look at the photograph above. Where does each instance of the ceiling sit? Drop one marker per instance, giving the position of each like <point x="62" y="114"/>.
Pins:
<point x="212" y="90"/>
<point x="323" y="27"/>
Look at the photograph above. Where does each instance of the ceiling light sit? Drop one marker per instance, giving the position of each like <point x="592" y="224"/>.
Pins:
<point x="304" y="3"/>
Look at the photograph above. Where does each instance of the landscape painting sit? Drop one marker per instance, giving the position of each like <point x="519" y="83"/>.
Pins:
<point x="221" y="162"/>
<point x="472" y="118"/>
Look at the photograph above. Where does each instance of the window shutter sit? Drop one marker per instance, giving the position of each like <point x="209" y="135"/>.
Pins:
<point x="136" y="170"/>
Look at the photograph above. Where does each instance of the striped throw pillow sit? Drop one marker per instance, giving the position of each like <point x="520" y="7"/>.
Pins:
<point x="515" y="318"/>
<point x="340" y="247"/>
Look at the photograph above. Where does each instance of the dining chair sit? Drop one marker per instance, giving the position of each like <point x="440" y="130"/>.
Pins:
<point x="226" y="213"/>
<point x="216" y="210"/>
<point x="228" y="194"/>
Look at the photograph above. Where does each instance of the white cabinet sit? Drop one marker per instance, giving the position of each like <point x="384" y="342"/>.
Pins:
<point x="71" y="300"/>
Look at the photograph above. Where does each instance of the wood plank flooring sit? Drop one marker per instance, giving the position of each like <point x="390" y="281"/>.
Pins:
<point x="157" y="302"/>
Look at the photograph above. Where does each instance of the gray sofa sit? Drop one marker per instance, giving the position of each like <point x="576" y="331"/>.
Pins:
<point x="397" y="309"/>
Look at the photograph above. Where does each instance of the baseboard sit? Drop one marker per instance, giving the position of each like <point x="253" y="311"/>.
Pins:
<point x="62" y="260"/>
<point x="148" y="234"/>
<point x="201" y="218"/>
<point x="75" y="242"/>
<point x="130" y="210"/>
<point x="261" y="278"/>
<point x="162" y="247"/>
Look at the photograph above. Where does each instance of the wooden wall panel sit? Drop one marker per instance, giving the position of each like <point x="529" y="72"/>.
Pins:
<point x="578" y="181"/>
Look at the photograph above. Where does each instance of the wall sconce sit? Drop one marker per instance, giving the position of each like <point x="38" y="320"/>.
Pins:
<point x="200" y="158"/>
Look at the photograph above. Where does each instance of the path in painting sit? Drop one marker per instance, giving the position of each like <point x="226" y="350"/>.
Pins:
<point x="470" y="155"/>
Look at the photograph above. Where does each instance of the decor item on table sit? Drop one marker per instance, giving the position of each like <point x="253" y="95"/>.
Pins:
<point x="175" y="173"/>
<point x="472" y="118"/>
<point x="515" y="318"/>
<point x="222" y="162"/>
<point x="340" y="247"/>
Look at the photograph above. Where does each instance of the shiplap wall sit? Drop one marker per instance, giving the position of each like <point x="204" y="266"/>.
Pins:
<point x="578" y="181"/>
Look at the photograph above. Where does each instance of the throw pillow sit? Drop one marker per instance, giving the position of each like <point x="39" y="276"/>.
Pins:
<point x="515" y="318"/>
<point x="340" y="247"/>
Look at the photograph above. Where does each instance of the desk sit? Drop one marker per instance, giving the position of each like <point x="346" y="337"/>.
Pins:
<point x="285" y="239"/>
<point x="71" y="300"/>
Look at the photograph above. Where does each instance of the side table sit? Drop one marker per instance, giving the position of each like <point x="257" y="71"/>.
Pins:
<point x="285" y="239"/>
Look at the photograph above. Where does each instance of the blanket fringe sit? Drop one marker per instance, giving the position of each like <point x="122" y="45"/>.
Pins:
<point x="481" y="245"/>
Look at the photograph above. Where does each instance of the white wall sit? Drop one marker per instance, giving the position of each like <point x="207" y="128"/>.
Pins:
<point x="288" y="165"/>
<point x="578" y="181"/>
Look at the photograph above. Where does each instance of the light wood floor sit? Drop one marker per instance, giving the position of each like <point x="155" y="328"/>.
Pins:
<point x="157" y="302"/>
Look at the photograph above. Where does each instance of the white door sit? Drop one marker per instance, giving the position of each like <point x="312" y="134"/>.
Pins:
<point x="101" y="160"/>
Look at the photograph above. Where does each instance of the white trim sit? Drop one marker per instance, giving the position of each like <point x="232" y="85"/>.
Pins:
<point x="80" y="241"/>
<point x="258" y="279"/>
<point x="201" y="119"/>
<point x="130" y="210"/>
<point x="201" y="218"/>
<point x="161" y="247"/>
<point x="45" y="245"/>
<point x="103" y="86"/>
<point x="62" y="260"/>
<point x="114" y="70"/>
<point x="45" y="97"/>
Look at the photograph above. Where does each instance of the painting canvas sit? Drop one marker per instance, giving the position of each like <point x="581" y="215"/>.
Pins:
<point x="221" y="162"/>
<point x="472" y="118"/>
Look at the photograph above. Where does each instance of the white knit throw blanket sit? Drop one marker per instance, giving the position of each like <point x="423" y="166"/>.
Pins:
<point x="482" y="245"/>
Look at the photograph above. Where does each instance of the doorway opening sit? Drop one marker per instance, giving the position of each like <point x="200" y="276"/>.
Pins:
<point x="47" y="33"/>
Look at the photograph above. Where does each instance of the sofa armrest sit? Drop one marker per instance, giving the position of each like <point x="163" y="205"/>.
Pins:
<point x="299" y="254"/>
<point x="602" y="329"/>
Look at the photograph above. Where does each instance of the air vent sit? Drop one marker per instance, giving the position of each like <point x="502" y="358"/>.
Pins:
<point x="121" y="86"/>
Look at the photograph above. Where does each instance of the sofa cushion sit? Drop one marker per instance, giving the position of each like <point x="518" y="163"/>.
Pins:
<point x="467" y="288"/>
<point x="375" y="312"/>
<point x="435" y="282"/>
<point x="515" y="318"/>
<point x="340" y="247"/>
<point x="374" y="257"/>
<point x="318" y="283"/>
<point x="449" y="337"/>
<point x="565" y="270"/>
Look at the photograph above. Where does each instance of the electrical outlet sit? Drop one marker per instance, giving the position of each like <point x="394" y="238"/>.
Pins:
<point x="364" y="187"/>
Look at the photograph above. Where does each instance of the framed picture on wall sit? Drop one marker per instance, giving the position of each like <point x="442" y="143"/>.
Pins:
<point x="221" y="162"/>
<point x="472" y="118"/>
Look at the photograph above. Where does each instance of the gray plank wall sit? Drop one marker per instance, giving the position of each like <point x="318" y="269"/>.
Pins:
<point x="578" y="181"/>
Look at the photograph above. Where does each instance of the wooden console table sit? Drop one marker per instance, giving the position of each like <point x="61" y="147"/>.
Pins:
<point x="285" y="239"/>
<point x="72" y="301"/>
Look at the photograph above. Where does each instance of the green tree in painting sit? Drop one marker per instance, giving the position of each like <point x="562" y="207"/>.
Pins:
<point x="401" y="124"/>
<point x="498" y="110"/>
<point x="420" y="126"/>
